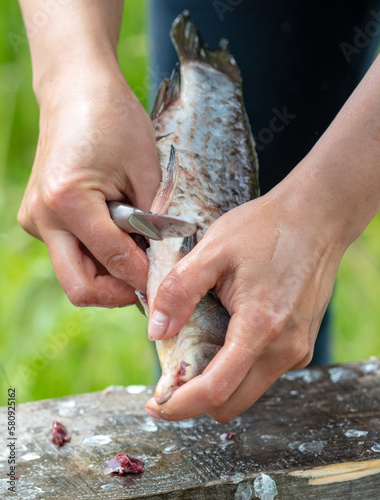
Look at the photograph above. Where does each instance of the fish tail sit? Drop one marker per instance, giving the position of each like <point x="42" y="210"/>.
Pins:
<point x="166" y="190"/>
<point x="190" y="46"/>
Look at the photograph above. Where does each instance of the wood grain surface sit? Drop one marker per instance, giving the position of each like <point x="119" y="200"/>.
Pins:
<point x="316" y="433"/>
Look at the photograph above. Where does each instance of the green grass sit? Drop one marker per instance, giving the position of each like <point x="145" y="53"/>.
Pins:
<point x="356" y="311"/>
<point x="49" y="348"/>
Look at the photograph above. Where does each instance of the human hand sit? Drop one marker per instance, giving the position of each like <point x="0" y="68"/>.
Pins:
<point x="96" y="143"/>
<point x="273" y="266"/>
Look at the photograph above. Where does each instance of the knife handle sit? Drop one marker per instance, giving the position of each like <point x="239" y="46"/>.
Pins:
<point x="120" y="213"/>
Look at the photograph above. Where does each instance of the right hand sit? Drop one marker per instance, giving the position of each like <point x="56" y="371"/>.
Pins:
<point x="96" y="144"/>
<point x="274" y="274"/>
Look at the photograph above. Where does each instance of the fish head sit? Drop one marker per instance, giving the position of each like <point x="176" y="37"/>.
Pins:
<point x="187" y="354"/>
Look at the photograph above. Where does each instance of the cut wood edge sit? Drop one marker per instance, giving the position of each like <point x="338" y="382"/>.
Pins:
<point x="338" y="473"/>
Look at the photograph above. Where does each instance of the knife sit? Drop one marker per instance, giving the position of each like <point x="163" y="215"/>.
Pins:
<point x="154" y="226"/>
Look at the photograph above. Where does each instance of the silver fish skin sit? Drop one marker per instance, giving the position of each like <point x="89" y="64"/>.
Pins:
<point x="209" y="165"/>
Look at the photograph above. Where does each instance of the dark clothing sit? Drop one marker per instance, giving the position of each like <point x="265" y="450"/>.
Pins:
<point x="290" y="55"/>
<point x="300" y="61"/>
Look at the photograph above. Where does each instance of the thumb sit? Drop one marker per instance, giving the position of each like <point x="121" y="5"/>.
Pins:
<point x="181" y="290"/>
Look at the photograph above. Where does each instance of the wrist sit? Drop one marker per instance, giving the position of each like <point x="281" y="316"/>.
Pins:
<point x="80" y="69"/>
<point x="340" y="177"/>
<point x="75" y="36"/>
<point x="82" y="81"/>
<point x="312" y="207"/>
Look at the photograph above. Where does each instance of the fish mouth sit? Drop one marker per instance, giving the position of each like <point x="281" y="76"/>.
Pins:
<point x="177" y="382"/>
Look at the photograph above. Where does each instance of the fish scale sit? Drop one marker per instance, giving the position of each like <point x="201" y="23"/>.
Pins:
<point x="209" y="166"/>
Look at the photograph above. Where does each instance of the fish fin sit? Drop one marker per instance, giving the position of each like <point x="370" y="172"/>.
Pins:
<point x="190" y="46"/>
<point x="142" y="305"/>
<point x="140" y="241"/>
<point x="159" y="137"/>
<point x="188" y="244"/>
<point x="167" y="93"/>
<point x="166" y="190"/>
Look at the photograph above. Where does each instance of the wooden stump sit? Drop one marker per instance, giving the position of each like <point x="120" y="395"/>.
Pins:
<point x="315" y="433"/>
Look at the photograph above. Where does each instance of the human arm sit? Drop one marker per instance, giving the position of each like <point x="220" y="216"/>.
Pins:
<point x="275" y="271"/>
<point x="96" y="143"/>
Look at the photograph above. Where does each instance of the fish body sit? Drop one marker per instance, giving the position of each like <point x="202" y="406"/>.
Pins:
<point x="209" y="165"/>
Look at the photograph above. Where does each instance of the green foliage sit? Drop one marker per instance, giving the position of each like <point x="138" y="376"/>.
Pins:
<point x="356" y="312"/>
<point x="48" y="348"/>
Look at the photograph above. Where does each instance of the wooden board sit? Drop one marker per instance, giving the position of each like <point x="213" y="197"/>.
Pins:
<point x="316" y="433"/>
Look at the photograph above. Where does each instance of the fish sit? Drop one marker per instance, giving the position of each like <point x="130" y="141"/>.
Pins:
<point x="209" y="166"/>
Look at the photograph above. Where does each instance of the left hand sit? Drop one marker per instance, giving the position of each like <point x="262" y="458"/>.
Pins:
<point x="273" y="264"/>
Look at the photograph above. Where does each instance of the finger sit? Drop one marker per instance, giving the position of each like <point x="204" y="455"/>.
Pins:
<point x="91" y="223"/>
<point x="79" y="276"/>
<point x="221" y="378"/>
<point x="261" y="376"/>
<point x="27" y="224"/>
<point x="180" y="292"/>
<point x="287" y="353"/>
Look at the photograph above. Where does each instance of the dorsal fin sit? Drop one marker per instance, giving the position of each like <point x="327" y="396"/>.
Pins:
<point x="188" y="244"/>
<point x="167" y="93"/>
<point x="166" y="190"/>
<point x="190" y="46"/>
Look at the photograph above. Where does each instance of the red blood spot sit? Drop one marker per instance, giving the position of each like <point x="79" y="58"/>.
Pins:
<point x="59" y="433"/>
<point x="180" y="373"/>
<point x="124" y="464"/>
<point x="228" y="435"/>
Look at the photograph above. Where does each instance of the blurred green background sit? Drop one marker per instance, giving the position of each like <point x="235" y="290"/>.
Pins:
<point x="49" y="348"/>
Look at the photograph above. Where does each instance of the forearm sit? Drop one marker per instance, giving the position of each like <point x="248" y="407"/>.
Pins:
<point x="79" y="38"/>
<point x="339" y="180"/>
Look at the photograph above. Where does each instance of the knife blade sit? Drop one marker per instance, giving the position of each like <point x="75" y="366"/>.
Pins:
<point x="154" y="226"/>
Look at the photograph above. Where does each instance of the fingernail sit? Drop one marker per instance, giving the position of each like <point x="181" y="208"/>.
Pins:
<point x="152" y="413"/>
<point x="158" y="324"/>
